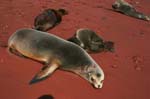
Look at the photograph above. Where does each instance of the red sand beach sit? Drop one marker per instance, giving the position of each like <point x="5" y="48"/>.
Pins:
<point x="127" y="70"/>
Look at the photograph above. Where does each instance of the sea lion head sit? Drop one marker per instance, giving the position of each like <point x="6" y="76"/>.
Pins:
<point x="95" y="76"/>
<point x="62" y="11"/>
<point x="119" y="4"/>
<point x="96" y="79"/>
<point x="116" y="5"/>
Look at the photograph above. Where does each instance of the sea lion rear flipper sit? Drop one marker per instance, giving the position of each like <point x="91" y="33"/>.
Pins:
<point x="44" y="73"/>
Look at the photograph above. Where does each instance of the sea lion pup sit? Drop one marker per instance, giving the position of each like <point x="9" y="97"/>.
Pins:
<point x="127" y="9"/>
<point x="48" y="19"/>
<point x="56" y="53"/>
<point x="91" y="42"/>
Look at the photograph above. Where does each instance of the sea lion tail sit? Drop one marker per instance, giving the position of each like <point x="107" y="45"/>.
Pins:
<point x="109" y="46"/>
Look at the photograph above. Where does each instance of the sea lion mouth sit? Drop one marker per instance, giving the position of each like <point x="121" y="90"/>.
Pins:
<point x="97" y="86"/>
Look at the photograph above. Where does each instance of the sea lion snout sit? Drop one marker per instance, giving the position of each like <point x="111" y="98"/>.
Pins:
<point x="116" y="5"/>
<point x="97" y="81"/>
<point x="98" y="86"/>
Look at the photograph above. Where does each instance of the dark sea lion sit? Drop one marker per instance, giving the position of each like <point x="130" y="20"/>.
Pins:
<point x="56" y="53"/>
<point x="91" y="42"/>
<point x="127" y="9"/>
<point x="48" y="19"/>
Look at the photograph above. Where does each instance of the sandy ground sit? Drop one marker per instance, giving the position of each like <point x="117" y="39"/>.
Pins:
<point x="127" y="70"/>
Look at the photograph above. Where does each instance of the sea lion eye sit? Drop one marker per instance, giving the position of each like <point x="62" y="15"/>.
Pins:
<point x="98" y="75"/>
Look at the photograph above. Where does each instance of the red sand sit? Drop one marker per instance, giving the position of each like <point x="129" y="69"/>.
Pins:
<point x="127" y="70"/>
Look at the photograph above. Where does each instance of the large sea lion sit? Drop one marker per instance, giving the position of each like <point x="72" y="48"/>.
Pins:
<point x="48" y="19"/>
<point x="91" y="41"/>
<point x="127" y="9"/>
<point x="56" y="53"/>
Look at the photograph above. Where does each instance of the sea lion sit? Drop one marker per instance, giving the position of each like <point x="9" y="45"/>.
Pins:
<point x="56" y="53"/>
<point x="127" y="9"/>
<point x="48" y="19"/>
<point x="90" y="41"/>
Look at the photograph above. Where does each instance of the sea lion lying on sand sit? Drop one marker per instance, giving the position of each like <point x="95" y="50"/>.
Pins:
<point x="127" y="9"/>
<point x="48" y="19"/>
<point x="91" y="42"/>
<point x="56" y="53"/>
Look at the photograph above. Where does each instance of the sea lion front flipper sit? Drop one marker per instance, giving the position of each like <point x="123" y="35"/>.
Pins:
<point x="44" y="73"/>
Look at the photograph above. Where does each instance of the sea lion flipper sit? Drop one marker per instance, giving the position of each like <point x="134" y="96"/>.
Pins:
<point x="44" y="73"/>
<point x="15" y="52"/>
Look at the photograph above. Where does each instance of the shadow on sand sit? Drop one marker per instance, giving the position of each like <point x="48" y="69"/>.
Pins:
<point x="46" y="97"/>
